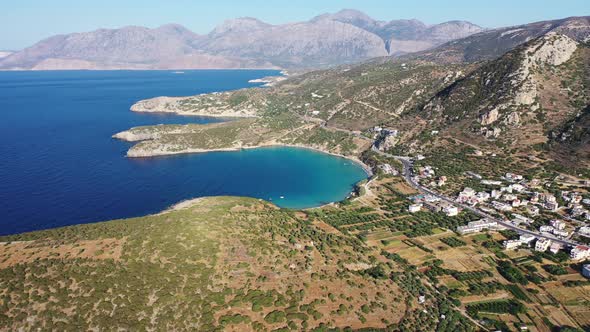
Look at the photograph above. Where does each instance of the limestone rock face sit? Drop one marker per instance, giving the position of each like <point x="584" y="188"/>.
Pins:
<point x="513" y="119"/>
<point x="554" y="50"/>
<point x="491" y="132"/>
<point x="489" y="117"/>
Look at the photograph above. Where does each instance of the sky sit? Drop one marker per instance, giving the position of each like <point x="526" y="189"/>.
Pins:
<point x="24" y="22"/>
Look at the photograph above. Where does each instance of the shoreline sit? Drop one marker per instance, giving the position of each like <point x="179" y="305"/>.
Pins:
<point x="230" y="116"/>
<point x="190" y="201"/>
<point x="366" y="168"/>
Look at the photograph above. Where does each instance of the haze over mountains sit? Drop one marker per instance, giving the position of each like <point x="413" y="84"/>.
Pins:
<point x="329" y="39"/>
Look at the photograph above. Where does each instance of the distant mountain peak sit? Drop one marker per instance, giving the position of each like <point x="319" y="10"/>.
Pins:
<point x="240" y="24"/>
<point x="352" y="14"/>
<point x="174" y="27"/>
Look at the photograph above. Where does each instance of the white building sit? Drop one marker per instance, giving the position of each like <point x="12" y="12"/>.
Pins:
<point x="451" y="211"/>
<point x="542" y="245"/>
<point x="580" y="252"/>
<point x="519" y="218"/>
<point x="585" y="231"/>
<point x="557" y="224"/>
<point x="546" y="229"/>
<point x="387" y="169"/>
<point x="526" y="239"/>
<point x="552" y="206"/>
<point x="482" y="196"/>
<point x="501" y="206"/>
<point x="477" y="226"/>
<point x="532" y="210"/>
<point x="511" y="244"/>
<point x="509" y="197"/>
<point x="555" y="247"/>
<point x="415" y="208"/>
<point x="517" y="187"/>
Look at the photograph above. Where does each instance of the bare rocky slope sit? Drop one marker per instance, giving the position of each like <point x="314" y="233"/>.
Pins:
<point x="326" y="40"/>
<point x="405" y="36"/>
<point x="533" y="100"/>
<point x="490" y="44"/>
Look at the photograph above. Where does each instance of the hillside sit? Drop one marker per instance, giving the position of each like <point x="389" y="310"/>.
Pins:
<point x="324" y="41"/>
<point x="210" y="264"/>
<point x="490" y="44"/>
<point x="520" y="101"/>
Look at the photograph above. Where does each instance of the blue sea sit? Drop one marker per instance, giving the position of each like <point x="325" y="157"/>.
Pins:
<point x="59" y="165"/>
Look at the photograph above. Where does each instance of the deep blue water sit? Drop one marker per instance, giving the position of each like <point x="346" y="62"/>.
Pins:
<point x="59" y="166"/>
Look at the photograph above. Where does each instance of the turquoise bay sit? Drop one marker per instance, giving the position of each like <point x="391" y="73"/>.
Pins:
<point x="59" y="166"/>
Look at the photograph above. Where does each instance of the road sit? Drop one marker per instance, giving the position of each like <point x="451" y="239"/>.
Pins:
<point x="407" y="174"/>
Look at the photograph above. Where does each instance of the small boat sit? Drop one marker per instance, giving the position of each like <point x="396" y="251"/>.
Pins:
<point x="177" y="72"/>
<point x="282" y="197"/>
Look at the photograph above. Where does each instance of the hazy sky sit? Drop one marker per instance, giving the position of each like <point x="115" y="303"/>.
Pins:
<point x="24" y="22"/>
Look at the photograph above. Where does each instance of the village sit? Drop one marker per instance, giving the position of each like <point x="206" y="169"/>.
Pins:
<point x="518" y="202"/>
<point x="545" y="222"/>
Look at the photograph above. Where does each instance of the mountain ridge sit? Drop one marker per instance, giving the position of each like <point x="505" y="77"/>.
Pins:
<point x="245" y="42"/>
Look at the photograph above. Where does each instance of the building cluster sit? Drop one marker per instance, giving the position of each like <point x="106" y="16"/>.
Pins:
<point x="427" y="172"/>
<point x="576" y="204"/>
<point x="541" y="244"/>
<point x="518" y="194"/>
<point x="504" y="199"/>
<point x="433" y="204"/>
<point x="510" y="193"/>
<point x="381" y="132"/>
<point x="387" y="169"/>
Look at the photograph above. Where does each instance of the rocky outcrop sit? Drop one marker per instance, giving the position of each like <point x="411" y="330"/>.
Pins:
<point x="504" y="93"/>
<point x="512" y="119"/>
<point x="552" y="49"/>
<point x="214" y="105"/>
<point x="489" y="117"/>
<point x="490" y="132"/>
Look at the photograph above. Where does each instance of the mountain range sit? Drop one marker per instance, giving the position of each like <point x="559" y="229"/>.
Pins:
<point x="329" y="39"/>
